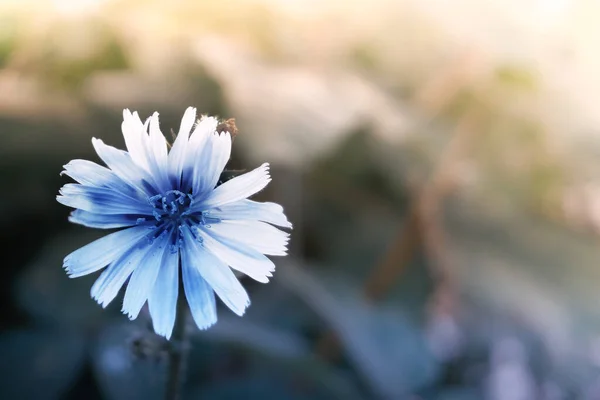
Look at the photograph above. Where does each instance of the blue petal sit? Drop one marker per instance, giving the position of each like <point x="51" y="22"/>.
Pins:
<point x="178" y="151"/>
<point x="158" y="145"/>
<point x="236" y="189"/>
<point x="157" y="169"/>
<point x="121" y="163"/>
<point x="155" y="149"/>
<point x="98" y="254"/>
<point x="147" y="151"/>
<point x="134" y="133"/>
<point x="111" y="280"/>
<point x="143" y="278"/>
<point x="91" y="174"/>
<point x="103" y="221"/>
<point x="257" y="235"/>
<point x="162" y="302"/>
<point x="211" y="162"/>
<point x="100" y="200"/>
<point x="238" y="256"/>
<point x="248" y="209"/>
<point x="218" y="275"/>
<point x="200" y="296"/>
<point x="195" y="148"/>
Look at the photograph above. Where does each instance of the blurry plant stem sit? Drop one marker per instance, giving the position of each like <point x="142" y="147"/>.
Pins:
<point x="179" y="348"/>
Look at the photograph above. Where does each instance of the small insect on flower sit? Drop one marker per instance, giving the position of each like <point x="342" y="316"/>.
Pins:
<point x="176" y="218"/>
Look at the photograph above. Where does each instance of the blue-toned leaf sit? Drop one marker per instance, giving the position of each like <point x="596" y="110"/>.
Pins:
<point x="388" y="350"/>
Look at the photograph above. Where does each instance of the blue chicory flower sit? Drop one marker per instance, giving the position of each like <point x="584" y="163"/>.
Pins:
<point x="176" y="217"/>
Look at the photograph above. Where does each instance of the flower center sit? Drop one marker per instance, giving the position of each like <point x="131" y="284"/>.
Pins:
<point x="173" y="205"/>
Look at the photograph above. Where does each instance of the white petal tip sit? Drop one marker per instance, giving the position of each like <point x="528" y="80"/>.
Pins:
<point x="204" y="327"/>
<point x="165" y="334"/>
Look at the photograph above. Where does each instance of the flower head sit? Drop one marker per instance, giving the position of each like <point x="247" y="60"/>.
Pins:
<point x="175" y="217"/>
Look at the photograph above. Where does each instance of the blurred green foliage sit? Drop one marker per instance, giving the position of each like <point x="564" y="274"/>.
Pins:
<point x="64" y="68"/>
<point x="70" y="74"/>
<point x="512" y="152"/>
<point x="518" y="77"/>
<point x="8" y="38"/>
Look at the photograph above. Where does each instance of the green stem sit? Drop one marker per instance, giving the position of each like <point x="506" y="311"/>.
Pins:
<point x="178" y="349"/>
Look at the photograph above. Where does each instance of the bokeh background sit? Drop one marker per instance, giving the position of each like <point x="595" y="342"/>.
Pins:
<point x="440" y="161"/>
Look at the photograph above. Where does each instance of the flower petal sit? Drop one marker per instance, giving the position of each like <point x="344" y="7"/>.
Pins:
<point x="121" y="163"/>
<point x="257" y="235"/>
<point x="98" y="254"/>
<point x="236" y="189"/>
<point x="144" y="276"/>
<point x="157" y="154"/>
<point x="218" y="275"/>
<point x="211" y="162"/>
<point x="100" y="200"/>
<point x="178" y="151"/>
<point x="249" y="209"/>
<point x="194" y="151"/>
<point x="158" y="142"/>
<point x="162" y="301"/>
<point x="91" y="174"/>
<point x="238" y="256"/>
<point x="134" y="134"/>
<point x="204" y="128"/>
<point x="199" y="294"/>
<point x="103" y="221"/>
<point x="107" y="286"/>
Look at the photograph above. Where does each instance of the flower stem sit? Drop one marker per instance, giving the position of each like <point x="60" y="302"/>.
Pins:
<point x="178" y="350"/>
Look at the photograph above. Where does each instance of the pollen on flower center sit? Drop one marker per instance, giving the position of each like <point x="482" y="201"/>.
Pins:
<point x="173" y="205"/>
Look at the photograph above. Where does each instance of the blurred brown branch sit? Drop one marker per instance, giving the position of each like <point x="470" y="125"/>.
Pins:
<point x="422" y="225"/>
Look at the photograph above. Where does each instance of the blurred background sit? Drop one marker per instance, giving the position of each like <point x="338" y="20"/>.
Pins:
<point x="440" y="161"/>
